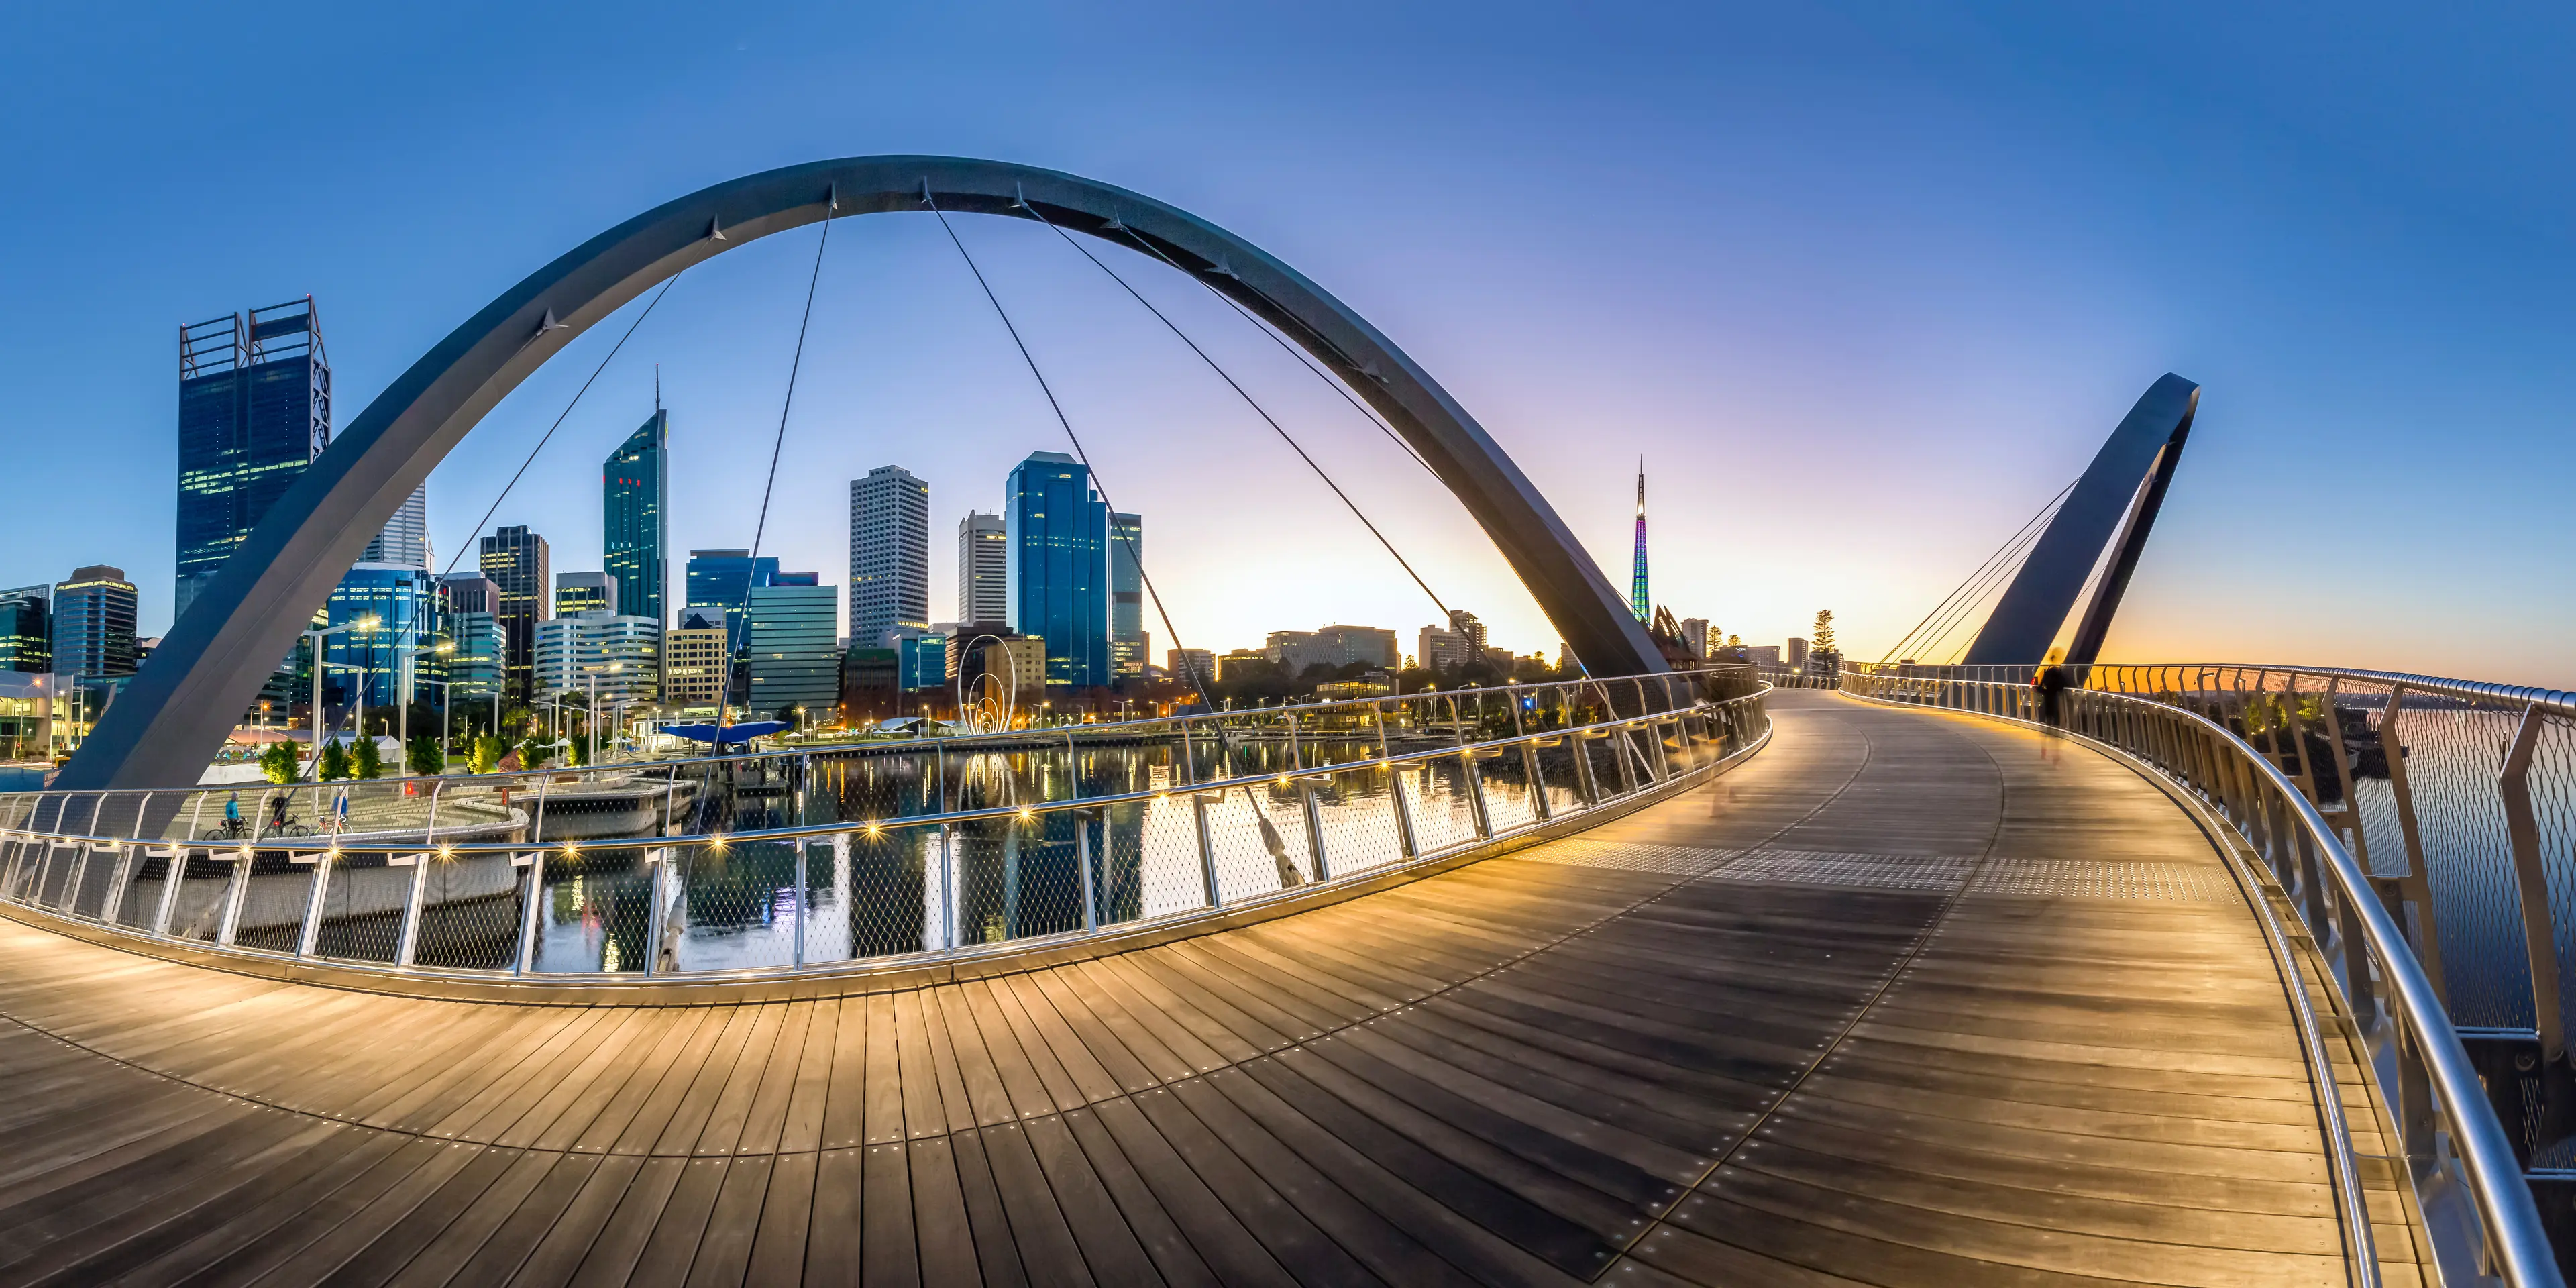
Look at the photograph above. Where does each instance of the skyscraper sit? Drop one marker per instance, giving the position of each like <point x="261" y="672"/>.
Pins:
<point x="1638" y="602"/>
<point x="889" y="555"/>
<point x="254" y="410"/>
<point x="589" y="592"/>
<point x="1129" y="644"/>
<point x="792" y="639"/>
<point x="405" y="540"/>
<point x="27" y="629"/>
<point x="1059" y="543"/>
<point x="94" y="623"/>
<point x="983" y="570"/>
<point x="720" y="580"/>
<point x="521" y="569"/>
<point x="388" y="657"/>
<point x="635" y="489"/>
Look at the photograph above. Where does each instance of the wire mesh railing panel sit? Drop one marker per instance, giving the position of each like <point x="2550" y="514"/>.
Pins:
<point x="2551" y="785"/>
<point x="1356" y="809"/>
<point x="1436" y="792"/>
<point x="2453" y="755"/>
<point x="873" y="894"/>
<point x="594" y="912"/>
<point x="1561" y="776"/>
<point x="364" y="899"/>
<point x="736" y="907"/>
<point x="1612" y="770"/>
<point x="97" y="878"/>
<point x="205" y="885"/>
<point x="1508" y="790"/>
<point x="1017" y="877"/>
<point x="1259" y="839"/>
<point x="54" y="873"/>
<point x="1170" y="871"/>
<point x="142" y="899"/>
<point x="274" y="899"/>
<point x="470" y="911"/>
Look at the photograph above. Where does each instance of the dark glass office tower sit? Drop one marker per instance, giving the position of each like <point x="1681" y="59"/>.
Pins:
<point x="1129" y="645"/>
<point x="518" y="563"/>
<point x="27" y="629"/>
<point x="1059" y="547"/>
<point x="635" y="489"/>
<point x="94" y="623"/>
<point x="254" y="410"/>
<point x="721" y="580"/>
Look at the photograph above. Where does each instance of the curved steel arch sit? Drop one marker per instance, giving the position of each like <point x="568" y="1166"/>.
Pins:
<point x="177" y="710"/>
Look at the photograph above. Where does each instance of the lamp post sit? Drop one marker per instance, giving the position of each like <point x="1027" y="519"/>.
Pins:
<point x="313" y="641"/>
<point x="591" y="724"/>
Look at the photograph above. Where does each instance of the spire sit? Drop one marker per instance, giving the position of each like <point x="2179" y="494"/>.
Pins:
<point x="1638" y="601"/>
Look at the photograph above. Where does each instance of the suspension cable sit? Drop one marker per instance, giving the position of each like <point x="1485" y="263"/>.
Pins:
<point x="760" y="528"/>
<point x="1981" y="574"/>
<point x="1161" y="612"/>
<point x="567" y="411"/>
<point x="1249" y="400"/>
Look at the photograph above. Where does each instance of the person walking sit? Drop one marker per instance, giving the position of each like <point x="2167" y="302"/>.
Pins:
<point x="2051" y="685"/>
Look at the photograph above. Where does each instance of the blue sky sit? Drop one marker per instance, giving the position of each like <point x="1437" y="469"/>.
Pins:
<point x="1864" y="284"/>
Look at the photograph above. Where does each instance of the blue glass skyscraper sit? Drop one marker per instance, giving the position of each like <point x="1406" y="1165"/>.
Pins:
<point x="254" y="410"/>
<point x="1058" y="536"/>
<point x="722" y="579"/>
<point x="634" y="493"/>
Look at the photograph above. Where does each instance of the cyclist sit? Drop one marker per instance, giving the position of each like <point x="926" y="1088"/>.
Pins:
<point x="232" y="814"/>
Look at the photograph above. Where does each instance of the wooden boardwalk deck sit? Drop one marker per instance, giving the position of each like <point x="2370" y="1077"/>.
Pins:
<point x="1900" y="1001"/>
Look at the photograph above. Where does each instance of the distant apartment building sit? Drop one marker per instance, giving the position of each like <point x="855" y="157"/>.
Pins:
<point x="1182" y="663"/>
<point x="1242" y="663"/>
<point x="587" y="592"/>
<point x="1008" y="658"/>
<point x="634" y="508"/>
<point x="1797" y="654"/>
<point x="1763" y="654"/>
<point x="1332" y="646"/>
<point x="983" y="569"/>
<point x="521" y="569"/>
<point x="695" y="661"/>
<point x="1695" y="635"/>
<point x="1439" y="649"/>
<point x="27" y="629"/>
<point x="621" y="655"/>
<point x="889" y="555"/>
<point x="254" y="410"/>
<point x="793" y="644"/>
<point x="94" y="623"/>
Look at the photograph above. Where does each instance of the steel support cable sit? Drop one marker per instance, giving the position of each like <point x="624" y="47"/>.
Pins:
<point x="1980" y="571"/>
<point x="1993" y="576"/>
<point x="760" y="528"/>
<point x="1270" y="838"/>
<point x="1252" y="402"/>
<point x="1304" y="358"/>
<point x="567" y="411"/>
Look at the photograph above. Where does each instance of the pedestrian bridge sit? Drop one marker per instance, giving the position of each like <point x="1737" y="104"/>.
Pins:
<point x="1881" y="987"/>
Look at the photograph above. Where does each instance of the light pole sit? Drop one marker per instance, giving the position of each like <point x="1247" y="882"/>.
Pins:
<point x="313" y="641"/>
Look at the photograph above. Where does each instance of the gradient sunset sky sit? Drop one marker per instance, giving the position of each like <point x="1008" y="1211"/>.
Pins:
<point x="1863" y="284"/>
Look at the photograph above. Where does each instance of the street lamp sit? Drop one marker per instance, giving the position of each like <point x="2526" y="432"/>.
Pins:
<point x="313" y="641"/>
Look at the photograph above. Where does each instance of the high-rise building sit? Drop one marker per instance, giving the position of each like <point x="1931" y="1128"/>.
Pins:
<point x="521" y="569"/>
<point x="983" y="569"/>
<point x="921" y="661"/>
<point x="1797" y="653"/>
<point x="470" y="592"/>
<point x="1439" y="650"/>
<point x="27" y="629"/>
<point x="695" y="660"/>
<point x="1333" y="646"/>
<point x="1638" y="601"/>
<point x="405" y="540"/>
<point x="621" y="655"/>
<point x="1059" y="543"/>
<point x="719" y="581"/>
<point x="386" y="659"/>
<point x="889" y="555"/>
<point x="635" y="489"/>
<point x="1695" y="634"/>
<point x="1129" y="642"/>
<point x="94" y="623"/>
<point x="794" y="645"/>
<point x="254" y="410"/>
<point x="478" y="668"/>
<point x="1183" y="663"/>
<point x="589" y="592"/>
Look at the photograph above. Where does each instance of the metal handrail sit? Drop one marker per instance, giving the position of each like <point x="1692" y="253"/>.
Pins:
<point x="2442" y="1116"/>
<point x="1728" y="729"/>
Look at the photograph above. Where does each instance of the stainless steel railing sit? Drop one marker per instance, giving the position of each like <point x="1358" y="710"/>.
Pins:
<point x="2245" y="754"/>
<point x="808" y="889"/>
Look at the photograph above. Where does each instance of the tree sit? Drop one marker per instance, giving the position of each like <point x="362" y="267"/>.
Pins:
<point x="576" y="752"/>
<point x="533" y="752"/>
<point x="367" y="761"/>
<point x="488" y="750"/>
<point x="426" y="755"/>
<point x="279" y="764"/>
<point x="335" y="761"/>
<point x="1823" y="640"/>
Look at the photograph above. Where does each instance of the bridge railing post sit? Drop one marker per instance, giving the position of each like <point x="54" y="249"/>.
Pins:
<point x="2531" y="881"/>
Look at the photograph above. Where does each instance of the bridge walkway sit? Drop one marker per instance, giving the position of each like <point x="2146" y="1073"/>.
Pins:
<point x="1902" y="1000"/>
